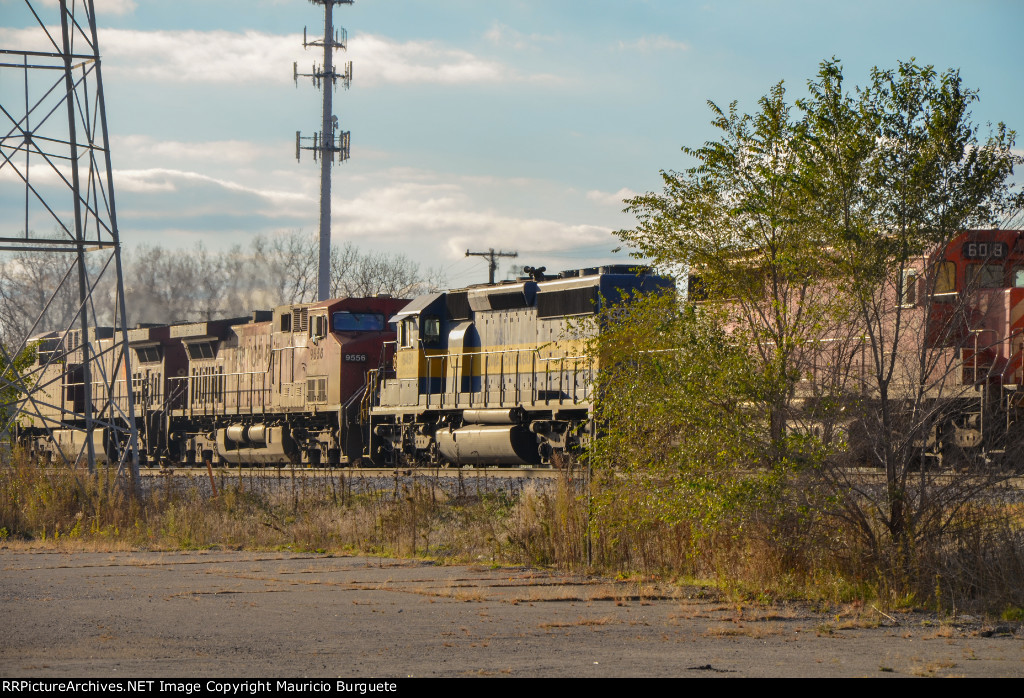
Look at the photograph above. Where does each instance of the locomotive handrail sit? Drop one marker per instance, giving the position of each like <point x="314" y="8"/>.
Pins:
<point x="358" y="394"/>
<point x="1014" y="361"/>
<point x="974" y="357"/>
<point x="207" y="406"/>
<point x="452" y="364"/>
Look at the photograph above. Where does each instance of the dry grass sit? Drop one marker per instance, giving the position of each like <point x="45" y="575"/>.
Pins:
<point x="932" y="668"/>
<point x="751" y="565"/>
<point x="578" y="623"/>
<point x="943" y="630"/>
<point x="66" y="508"/>
<point x="755" y="630"/>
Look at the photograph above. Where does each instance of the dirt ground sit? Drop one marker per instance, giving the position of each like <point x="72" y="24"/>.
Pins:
<point x="246" y="614"/>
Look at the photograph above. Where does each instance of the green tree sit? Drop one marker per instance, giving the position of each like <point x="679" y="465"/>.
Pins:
<point x="741" y="223"/>
<point x="677" y="440"/>
<point x="12" y="378"/>
<point x="896" y="171"/>
<point x="805" y="227"/>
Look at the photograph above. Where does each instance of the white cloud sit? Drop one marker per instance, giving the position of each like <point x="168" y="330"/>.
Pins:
<point x="258" y="57"/>
<point x="397" y="209"/>
<point x="114" y="7"/>
<point x="383" y="60"/>
<point x="651" y="43"/>
<point x="197" y="57"/>
<point x="443" y="216"/>
<point x="103" y="7"/>
<point x="432" y="216"/>
<point x="615" y="199"/>
<point x="504" y="35"/>
<point x="56" y="172"/>
<point x="229" y="152"/>
<point x="165" y="180"/>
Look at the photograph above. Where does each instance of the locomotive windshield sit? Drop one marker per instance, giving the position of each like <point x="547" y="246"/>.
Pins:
<point x="344" y="321"/>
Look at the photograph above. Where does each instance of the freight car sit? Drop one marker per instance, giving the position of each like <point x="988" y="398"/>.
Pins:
<point x="495" y="374"/>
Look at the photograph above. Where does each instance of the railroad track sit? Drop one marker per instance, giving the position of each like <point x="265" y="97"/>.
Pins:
<point x="858" y="474"/>
<point x="486" y="471"/>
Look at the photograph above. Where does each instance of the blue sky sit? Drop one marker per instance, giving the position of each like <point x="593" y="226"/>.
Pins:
<point x="517" y="125"/>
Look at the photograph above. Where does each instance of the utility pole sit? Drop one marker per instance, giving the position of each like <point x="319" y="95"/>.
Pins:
<point x="492" y="256"/>
<point x="331" y="140"/>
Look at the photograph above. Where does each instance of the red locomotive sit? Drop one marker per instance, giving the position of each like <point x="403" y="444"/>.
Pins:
<point x="281" y="386"/>
<point x="975" y="315"/>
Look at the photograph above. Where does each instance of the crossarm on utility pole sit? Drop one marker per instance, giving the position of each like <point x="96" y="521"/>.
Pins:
<point x="492" y="258"/>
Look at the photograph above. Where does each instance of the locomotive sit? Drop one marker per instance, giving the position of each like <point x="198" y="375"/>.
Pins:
<point x="495" y="374"/>
<point x="488" y="374"/>
<point x="958" y="314"/>
<point x="975" y="317"/>
<point x="276" y="387"/>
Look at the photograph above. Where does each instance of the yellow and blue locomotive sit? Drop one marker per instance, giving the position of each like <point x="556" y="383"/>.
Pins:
<point x="495" y="374"/>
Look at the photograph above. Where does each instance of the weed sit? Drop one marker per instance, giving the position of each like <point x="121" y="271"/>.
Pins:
<point x="1012" y="613"/>
<point x="758" y="560"/>
<point x="754" y="630"/>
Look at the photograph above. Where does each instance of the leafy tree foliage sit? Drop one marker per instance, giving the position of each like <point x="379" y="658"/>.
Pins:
<point x="742" y="225"/>
<point x="12" y="377"/>
<point x="897" y="171"/>
<point x="797" y="228"/>
<point x="677" y="438"/>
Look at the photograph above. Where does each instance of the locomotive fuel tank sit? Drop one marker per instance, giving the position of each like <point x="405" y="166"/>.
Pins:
<point x="480" y="444"/>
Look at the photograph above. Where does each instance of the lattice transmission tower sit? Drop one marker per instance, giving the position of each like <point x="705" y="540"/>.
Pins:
<point x="55" y="164"/>
<point x="331" y="142"/>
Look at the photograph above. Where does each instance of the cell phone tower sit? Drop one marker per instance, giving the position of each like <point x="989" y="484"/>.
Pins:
<point x="55" y="157"/>
<point x="331" y="142"/>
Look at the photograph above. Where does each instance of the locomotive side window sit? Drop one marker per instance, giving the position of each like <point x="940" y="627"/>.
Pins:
<point x="200" y="350"/>
<point x="984" y="276"/>
<point x="286" y="322"/>
<point x="148" y="355"/>
<point x="344" y="321"/>
<point x="406" y="330"/>
<point x="908" y="288"/>
<point x="945" y="280"/>
<point x="431" y="329"/>
<point x="319" y="326"/>
<point x="1018" y="277"/>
